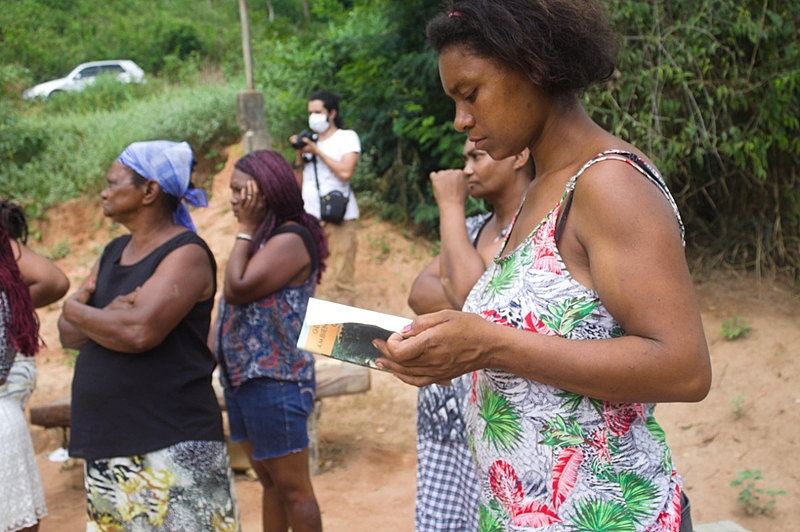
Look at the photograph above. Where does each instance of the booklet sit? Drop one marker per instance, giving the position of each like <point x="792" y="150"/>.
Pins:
<point x="346" y="333"/>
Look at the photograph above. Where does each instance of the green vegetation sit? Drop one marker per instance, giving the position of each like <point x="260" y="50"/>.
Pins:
<point x="740" y="407"/>
<point x="60" y="250"/>
<point x="708" y="88"/>
<point x="50" y="37"/>
<point x="734" y="327"/>
<point x="380" y="246"/>
<point x="49" y="156"/>
<point x="753" y="499"/>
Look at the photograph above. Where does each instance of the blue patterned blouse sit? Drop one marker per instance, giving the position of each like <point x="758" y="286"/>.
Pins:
<point x="259" y="339"/>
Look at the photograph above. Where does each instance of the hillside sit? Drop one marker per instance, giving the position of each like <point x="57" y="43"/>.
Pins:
<point x="749" y="420"/>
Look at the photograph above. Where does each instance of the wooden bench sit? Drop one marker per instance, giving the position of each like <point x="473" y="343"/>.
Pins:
<point x="334" y="378"/>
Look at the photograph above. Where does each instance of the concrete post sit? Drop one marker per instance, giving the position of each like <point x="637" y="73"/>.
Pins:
<point x="252" y="122"/>
<point x="250" y="103"/>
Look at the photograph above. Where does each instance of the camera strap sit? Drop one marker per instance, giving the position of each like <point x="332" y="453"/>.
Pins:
<point x="316" y="178"/>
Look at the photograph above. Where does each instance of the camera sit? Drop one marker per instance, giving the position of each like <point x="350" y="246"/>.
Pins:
<point x="305" y="134"/>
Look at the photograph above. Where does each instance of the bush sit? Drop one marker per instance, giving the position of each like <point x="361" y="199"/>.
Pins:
<point x="13" y="81"/>
<point x="708" y="88"/>
<point x="711" y="90"/>
<point x="375" y="57"/>
<point x="59" y="156"/>
<point x="105" y="94"/>
<point x="52" y="37"/>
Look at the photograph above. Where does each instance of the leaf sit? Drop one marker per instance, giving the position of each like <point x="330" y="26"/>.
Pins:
<point x="640" y="495"/>
<point x="574" y="401"/>
<point x="546" y="260"/>
<point x="559" y="432"/>
<point x="566" y="315"/>
<point x="488" y="521"/>
<point x="666" y="461"/>
<point x="658" y="435"/>
<point x="656" y="430"/>
<point x="503" y="280"/>
<point x="595" y="515"/>
<point x="619" y="417"/>
<point x="505" y="484"/>
<point x="599" y="442"/>
<point x="533" y="323"/>
<point x="669" y="519"/>
<point x="503" y="428"/>
<point x="473" y="389"/>
<point x="602" y="470"/>
<point x="565" y="474"/>
<point x="494" y="316"/>
<point x="535" y="515"/>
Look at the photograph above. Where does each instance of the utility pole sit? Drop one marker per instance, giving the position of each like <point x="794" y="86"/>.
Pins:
<point x="250" y="115"/>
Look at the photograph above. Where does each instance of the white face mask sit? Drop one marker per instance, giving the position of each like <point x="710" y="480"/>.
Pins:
<point x="318" y="122"/>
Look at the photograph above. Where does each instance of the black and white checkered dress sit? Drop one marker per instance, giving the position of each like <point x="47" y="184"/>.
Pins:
<point x="447" y="487"/>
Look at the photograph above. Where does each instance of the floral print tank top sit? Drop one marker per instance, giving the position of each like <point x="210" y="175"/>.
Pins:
<point x="548" y="458"/>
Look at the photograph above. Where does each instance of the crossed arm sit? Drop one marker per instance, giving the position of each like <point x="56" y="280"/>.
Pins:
<point x="140" y="320"/>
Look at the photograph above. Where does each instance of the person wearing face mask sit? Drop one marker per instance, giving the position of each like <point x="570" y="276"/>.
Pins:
<point x="322" y="166"/>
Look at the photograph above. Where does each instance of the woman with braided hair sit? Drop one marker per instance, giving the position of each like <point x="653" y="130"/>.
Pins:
<point x="46" y="283"/>
<point x="20" y="485"/>
<point x="275" y="264"/>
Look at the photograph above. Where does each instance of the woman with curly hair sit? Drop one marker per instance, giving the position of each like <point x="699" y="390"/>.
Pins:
<point x="587" y="315"/>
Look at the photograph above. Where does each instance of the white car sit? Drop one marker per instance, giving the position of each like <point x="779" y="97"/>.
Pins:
<point x="85" y="74"/>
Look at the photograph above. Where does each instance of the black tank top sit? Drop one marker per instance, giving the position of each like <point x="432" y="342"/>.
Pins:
<point x="127" y="404"/>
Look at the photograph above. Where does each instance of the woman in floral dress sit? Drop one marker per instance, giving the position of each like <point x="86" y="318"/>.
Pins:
<point x="587" y="316"/>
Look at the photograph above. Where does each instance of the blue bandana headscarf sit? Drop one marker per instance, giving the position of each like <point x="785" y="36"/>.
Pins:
<point x="169" y="163"/>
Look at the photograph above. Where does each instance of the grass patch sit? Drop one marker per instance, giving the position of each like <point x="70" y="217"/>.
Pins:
<point x="51" y="156"/>
<point x="751" y="497"/>
<point x="740" y="407"/>
<point x="734" y="327"/>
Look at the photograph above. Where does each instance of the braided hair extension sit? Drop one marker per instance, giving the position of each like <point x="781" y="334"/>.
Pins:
<point x="21" y="323"/>
<point x="277" y="182"/>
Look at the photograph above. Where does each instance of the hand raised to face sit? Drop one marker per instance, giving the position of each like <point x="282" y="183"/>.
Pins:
<point x="248" y="202"/>
<point x="449" y="187"/>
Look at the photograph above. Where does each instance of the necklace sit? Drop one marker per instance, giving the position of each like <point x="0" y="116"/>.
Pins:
<point x="507" y="228"/>
<point x="503" y="233"/>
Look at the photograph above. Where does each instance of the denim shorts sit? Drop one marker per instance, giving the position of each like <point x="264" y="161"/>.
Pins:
<point x="272" y="414"/>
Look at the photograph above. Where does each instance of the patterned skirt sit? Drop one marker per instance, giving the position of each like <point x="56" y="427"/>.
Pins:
<point x="188" y="486"/>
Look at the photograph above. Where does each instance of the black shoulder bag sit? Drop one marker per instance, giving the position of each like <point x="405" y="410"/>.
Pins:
<point x="333" y="204"/>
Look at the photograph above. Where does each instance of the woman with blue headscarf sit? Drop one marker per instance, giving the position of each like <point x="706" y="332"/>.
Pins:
<point x="145" y="417"/>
